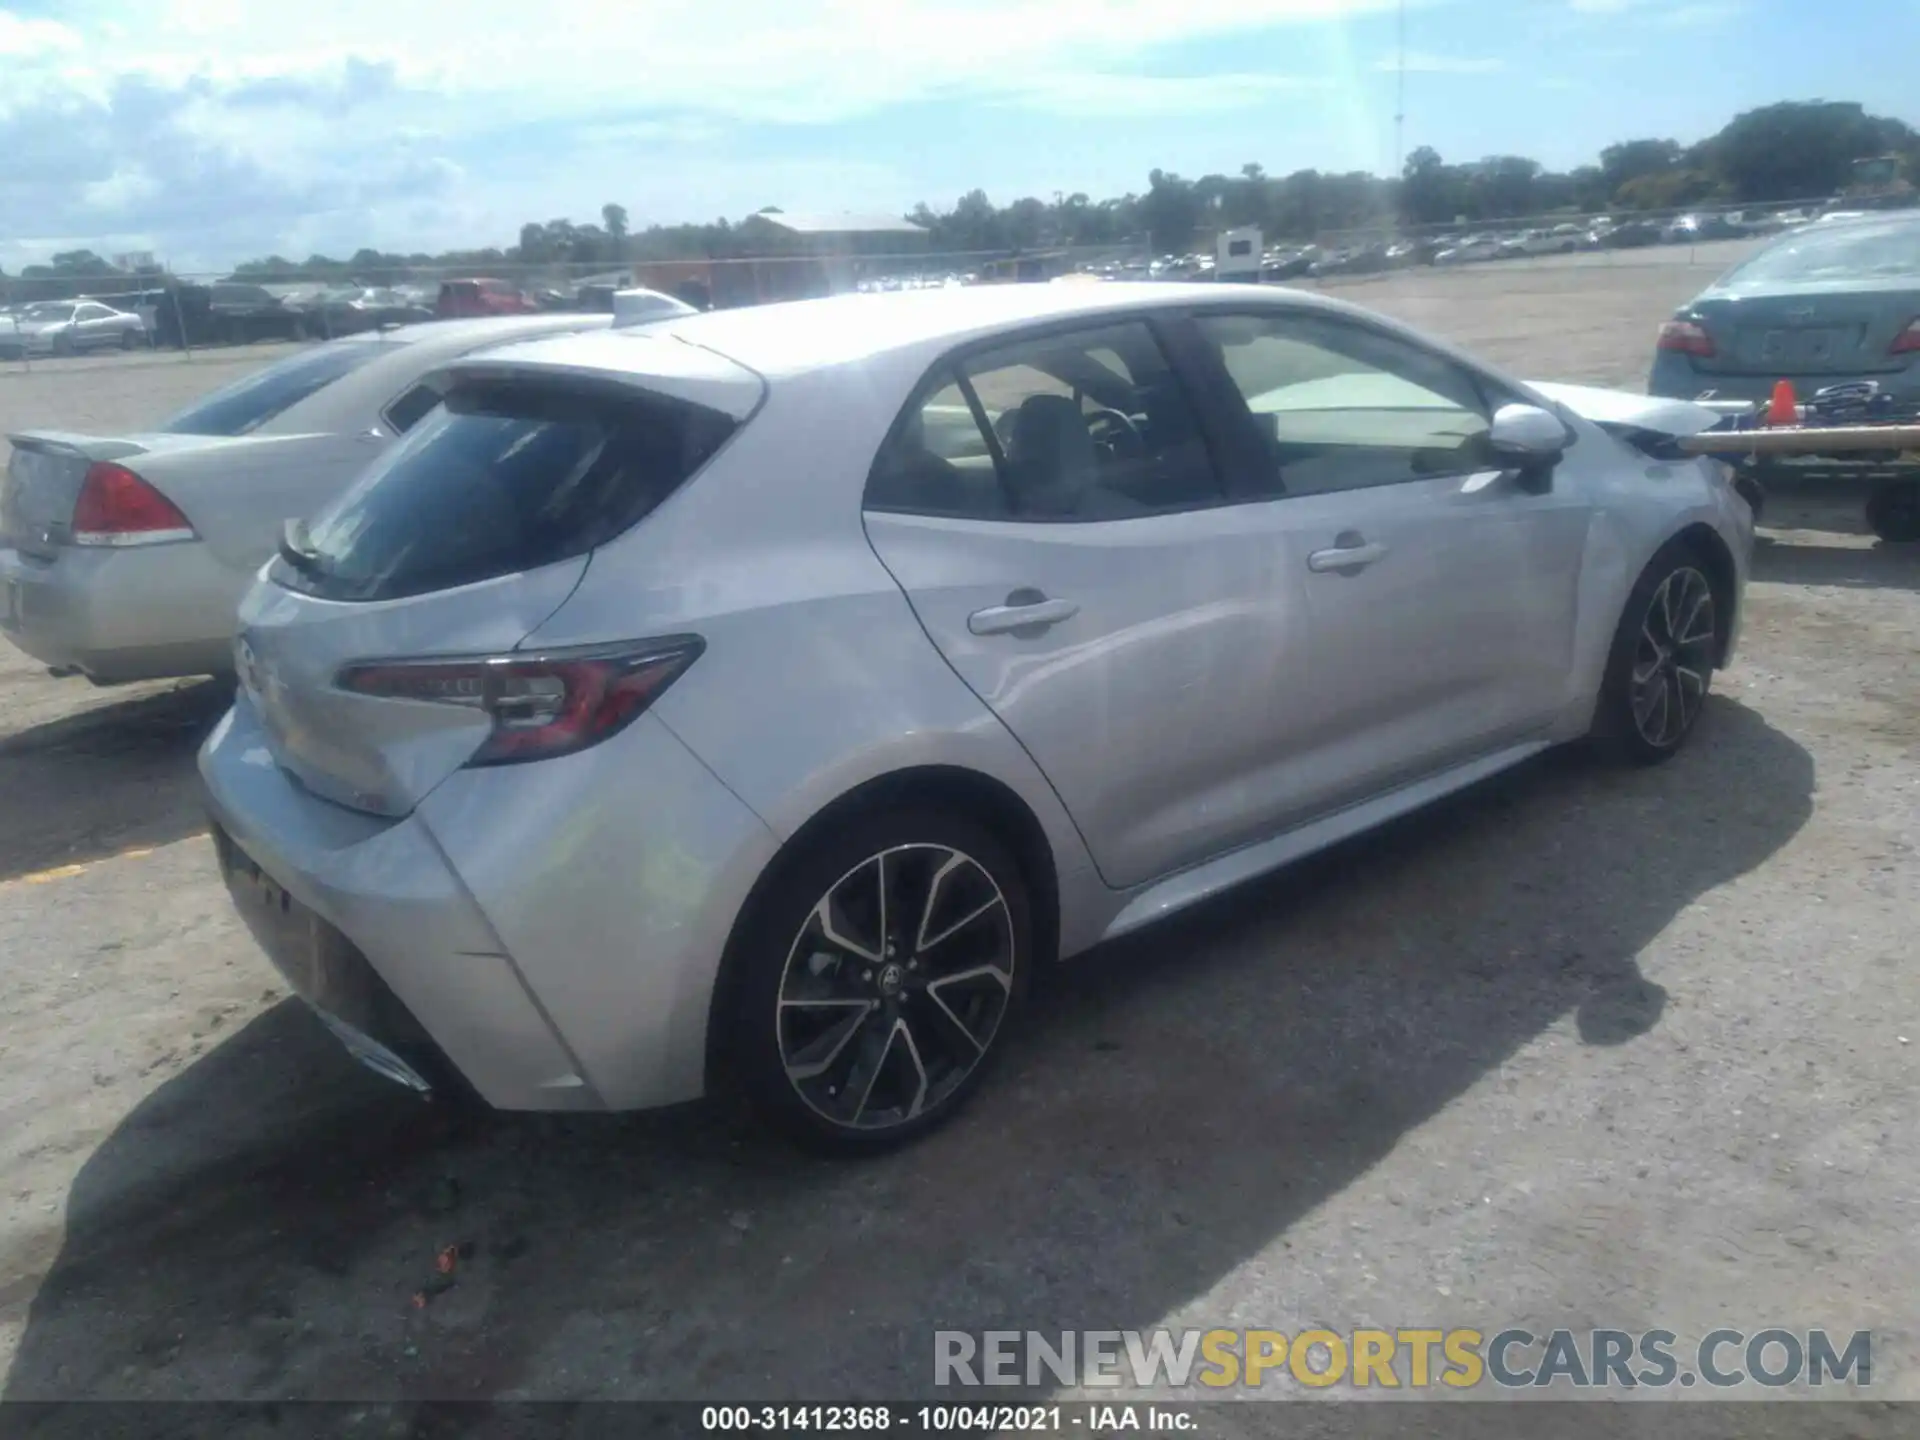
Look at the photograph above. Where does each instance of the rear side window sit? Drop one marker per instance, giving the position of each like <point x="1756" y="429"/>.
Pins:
<point x="246" y="405"/>
<point x="505" y="476"/>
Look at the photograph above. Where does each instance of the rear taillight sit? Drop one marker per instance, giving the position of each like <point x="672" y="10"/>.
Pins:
<point x="1686" y="338"/>
<point x="541" y="705"/>
<point x="1908" y="340"/>
<point x="116" y="507"/>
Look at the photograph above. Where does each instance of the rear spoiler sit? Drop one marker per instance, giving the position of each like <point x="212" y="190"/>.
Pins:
<point x="639" y="356"/>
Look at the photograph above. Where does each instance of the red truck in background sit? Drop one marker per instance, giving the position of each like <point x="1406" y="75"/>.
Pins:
<point x="463" y="299"/>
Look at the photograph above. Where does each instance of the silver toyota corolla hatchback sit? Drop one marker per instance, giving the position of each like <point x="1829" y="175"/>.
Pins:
<point x="760" y="697"/>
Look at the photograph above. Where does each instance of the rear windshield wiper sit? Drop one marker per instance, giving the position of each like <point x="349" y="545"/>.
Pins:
<point x="297" y="549"/>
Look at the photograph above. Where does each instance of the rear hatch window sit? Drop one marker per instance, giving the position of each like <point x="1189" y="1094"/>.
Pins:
<point x="246" y="405"/>
<point x="508" y="475"/>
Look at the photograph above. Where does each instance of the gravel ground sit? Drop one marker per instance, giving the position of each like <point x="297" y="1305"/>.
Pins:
<point x="1583" y="1047"/>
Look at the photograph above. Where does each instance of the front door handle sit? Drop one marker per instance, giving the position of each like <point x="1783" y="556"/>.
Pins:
<point x="1021" y="613"/>
<point x="1350" y="552"/>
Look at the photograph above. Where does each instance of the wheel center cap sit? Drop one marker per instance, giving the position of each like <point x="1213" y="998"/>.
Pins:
<point x="892" y="977"/>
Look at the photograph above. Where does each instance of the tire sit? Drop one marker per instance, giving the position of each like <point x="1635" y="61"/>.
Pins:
<point x="926" y="1015"/>
<point x="1893" y="511"/>
<point x="1660" y="669"/>
<point x="63" y="345"/>
<point x="128" y="340"/>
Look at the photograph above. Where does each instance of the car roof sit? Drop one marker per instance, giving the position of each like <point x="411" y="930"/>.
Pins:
<point x="459" y="336"/>
<point x="798" y="336"/>
<point x="727" y="357"/>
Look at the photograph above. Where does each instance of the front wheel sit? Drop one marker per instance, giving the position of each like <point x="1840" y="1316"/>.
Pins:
<point x="1662" y="661"/>
<point x="876" y="979"/>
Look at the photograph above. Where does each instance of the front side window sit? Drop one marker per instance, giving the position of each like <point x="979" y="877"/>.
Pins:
<point x="1084" y="425"/>
<point x="1343" y="407"/>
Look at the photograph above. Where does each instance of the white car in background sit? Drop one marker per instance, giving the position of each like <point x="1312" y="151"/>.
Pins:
<point x="124" y="557"/>
<point x="69" y="327"/>
<point x="1560" y="240"/>
<point x="1473" y="248"/>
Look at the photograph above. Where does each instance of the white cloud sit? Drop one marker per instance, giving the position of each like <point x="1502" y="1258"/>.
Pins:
<point x="26" y="38"/>
<point x="1091" y="96"/>
<point x="231" y="123"/>
<point x="753" y="59"/>
<point x="1661" y="12"/>
<point x="1421" y="63"/>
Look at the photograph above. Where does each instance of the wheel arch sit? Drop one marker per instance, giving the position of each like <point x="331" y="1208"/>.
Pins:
<point x="989" y="801"/>
<point x="1714" y="553"/>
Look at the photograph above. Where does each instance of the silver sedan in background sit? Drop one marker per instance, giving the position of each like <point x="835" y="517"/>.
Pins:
<point x="69" y="327"/>
<point x="124" y="557"/>
<point x="762" y="697"/>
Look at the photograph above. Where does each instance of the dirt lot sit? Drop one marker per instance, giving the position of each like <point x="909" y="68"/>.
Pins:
<point x="1581" y="1048"/>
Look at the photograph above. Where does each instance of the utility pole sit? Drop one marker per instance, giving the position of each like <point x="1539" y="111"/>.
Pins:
<point x="1399" y="176"/>
<point x="1400" y="97"/>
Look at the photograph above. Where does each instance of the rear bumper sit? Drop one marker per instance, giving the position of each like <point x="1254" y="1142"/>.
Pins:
<point x="141" y="613"/>
<point x="1675" y="377"/>
<point x="555" y="928"/>
<point x="392" y="902"/>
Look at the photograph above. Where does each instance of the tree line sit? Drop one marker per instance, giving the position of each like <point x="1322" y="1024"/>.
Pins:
<point x="1790" y="151"/>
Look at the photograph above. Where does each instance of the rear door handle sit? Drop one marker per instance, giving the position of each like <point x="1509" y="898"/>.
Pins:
<point x="1035" y="615"/>
<point x="1346" y="557"/>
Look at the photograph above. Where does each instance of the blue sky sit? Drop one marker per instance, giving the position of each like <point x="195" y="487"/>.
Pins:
<point x="214" y="130"/>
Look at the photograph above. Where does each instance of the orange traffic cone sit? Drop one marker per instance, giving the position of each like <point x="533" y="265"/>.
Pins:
<point x="1783" y="409"/>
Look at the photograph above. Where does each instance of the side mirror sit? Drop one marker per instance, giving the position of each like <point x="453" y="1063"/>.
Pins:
<point x="1527" y="435"/>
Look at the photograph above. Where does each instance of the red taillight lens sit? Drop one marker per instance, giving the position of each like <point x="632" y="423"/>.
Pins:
<point x="542" y="705"/>
<point x="1908" y="340"/>
<point x="1685" y="337"/>
<point x="117" y="507"/>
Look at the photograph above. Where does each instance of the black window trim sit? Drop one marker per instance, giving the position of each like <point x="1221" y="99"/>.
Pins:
<point x="951" y="364"/>
<point x="1491" y="391"/>
<point x="423" y="382"/>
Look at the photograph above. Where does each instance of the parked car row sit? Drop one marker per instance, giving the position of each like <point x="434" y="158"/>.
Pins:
<point x="1387" y="252"/>
<point x="242" y="311"/>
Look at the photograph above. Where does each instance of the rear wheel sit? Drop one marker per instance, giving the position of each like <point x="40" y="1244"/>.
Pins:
<point x="128" y="340"/>
<point x="1893" y="511"/>
<point x="877" y="978"/>
<point x="1661" y="665"/>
